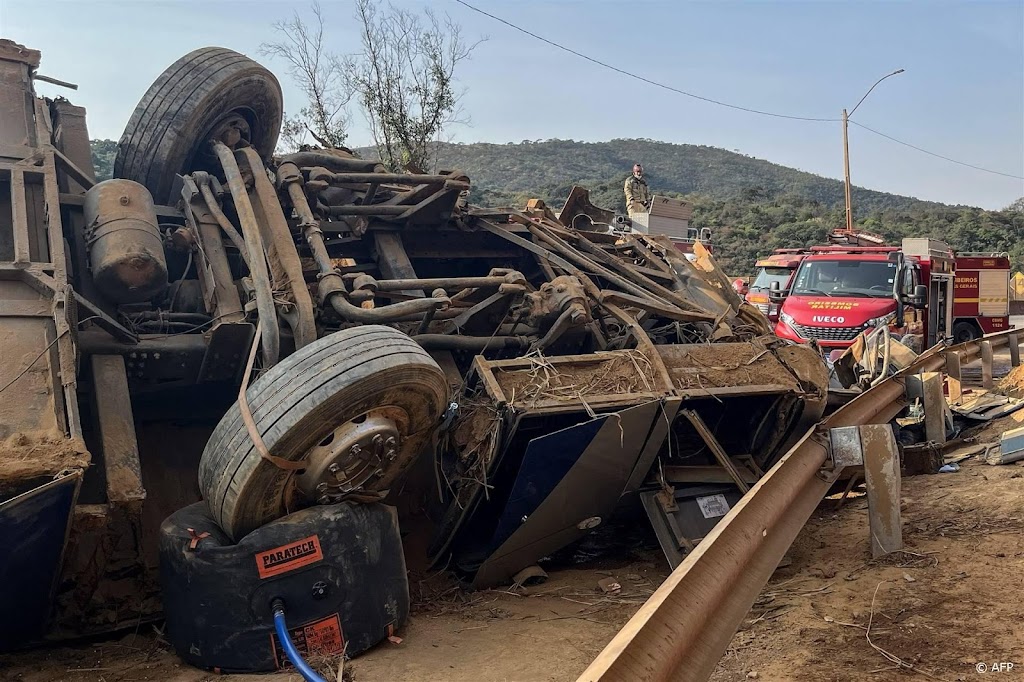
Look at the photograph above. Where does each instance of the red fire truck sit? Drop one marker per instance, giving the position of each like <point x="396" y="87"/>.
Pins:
<point x="779" y="267"/>
<point x="981" y="295"/>
<point x="840" y="291"/>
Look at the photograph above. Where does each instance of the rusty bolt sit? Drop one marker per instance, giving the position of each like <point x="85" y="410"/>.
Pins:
<point x="124" y="200"/>
<point x="334" y="468"/>
<point x="323" y="499"/>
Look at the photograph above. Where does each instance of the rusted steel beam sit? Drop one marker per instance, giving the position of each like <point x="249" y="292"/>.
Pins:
<point x="117" y="430"/>
<point x="271" y="333"/>
<point x="928" y="387"/>
<point x="447" y="283"/>
<point x="19" y="216"/>
<point x="393" y="261"/>
<point x="372" y="210"/>
<point x="955" y="377"/>
<point x="388" y="178"/>
<point x="282" y="256"/>
<point x="687" y="624"/>
<point x="882" y="478"/>
<point x="986" y="365"/>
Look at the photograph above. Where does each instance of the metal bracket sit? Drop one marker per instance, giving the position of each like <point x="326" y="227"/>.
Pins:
<point x="845" y="448"/>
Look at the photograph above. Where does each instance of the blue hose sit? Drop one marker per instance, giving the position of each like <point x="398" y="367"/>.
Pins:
<point x="290" y="651"/>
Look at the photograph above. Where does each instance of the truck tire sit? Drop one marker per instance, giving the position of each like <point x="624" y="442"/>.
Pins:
<point x="358" y="406"/>
<point x="964" y="332"/>
<point x="201" y="96"/>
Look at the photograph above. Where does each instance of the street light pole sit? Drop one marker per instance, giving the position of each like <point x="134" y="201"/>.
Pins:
<point x="846" y="170"/>
<point x="846" y="149"/>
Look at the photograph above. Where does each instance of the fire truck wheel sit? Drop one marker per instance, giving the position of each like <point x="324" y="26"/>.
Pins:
<point x="356" y="407"/>
<point x="210" y="93"/>
<point x="964" y="332"/>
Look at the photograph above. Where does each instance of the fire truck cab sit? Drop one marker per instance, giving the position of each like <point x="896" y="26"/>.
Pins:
<point x="840" y="291"/>
<point x="779" y="268"/>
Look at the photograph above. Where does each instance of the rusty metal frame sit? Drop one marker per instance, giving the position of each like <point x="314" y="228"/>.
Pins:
<point x="48" y="277"/>
<point x="683" y="630"/>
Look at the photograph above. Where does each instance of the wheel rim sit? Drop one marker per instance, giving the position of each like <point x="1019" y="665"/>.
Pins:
<point x="234" y="129"/>
<point x="352" y="455"/>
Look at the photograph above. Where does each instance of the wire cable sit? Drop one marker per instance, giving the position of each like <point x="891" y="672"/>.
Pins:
<point x="646" y="80"/>
<point x="938" y="156"/>
<point x="726" y="104"/>
<point x="41" y="354"/>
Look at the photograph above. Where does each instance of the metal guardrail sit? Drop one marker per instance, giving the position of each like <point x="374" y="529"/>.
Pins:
<point x="684" y="628"/>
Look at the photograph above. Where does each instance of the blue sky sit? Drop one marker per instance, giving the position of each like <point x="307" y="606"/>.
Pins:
<point x="962" y="94"/>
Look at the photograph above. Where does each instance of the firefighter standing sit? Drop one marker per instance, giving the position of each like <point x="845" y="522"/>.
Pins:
<point x="638" y="195"/>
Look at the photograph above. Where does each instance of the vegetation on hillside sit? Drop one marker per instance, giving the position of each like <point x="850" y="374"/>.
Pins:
<point x="753" y="206"/>
<point x="103" y="154"/>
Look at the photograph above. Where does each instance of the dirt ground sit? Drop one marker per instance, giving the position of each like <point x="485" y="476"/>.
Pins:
<point x="943" y="608"/>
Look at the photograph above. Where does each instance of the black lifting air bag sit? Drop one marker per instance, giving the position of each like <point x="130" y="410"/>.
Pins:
<point x="339" y="569"/>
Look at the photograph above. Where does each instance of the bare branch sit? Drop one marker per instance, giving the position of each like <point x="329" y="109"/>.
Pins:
<point x="405" y="78"/>
<point x="320" y="76"/>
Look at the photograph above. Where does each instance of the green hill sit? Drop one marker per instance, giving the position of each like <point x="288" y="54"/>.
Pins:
<point x="752" y="205"/>
<point x="680" y="168"/>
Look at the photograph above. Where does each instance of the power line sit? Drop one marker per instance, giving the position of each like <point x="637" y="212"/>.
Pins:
<point x="726" y="104"/>
<point x="938" y="156"/>
<point x="641" y="78"/>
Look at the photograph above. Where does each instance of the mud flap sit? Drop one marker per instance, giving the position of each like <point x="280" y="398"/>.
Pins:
<point x="683" y="520"/>
<point x="34" y="526"/>
<point x="569" y="482"/>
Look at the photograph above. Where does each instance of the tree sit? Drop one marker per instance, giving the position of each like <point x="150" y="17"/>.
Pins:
<point x="320" y="75"/>
<point x="103" y="153"/>
<point x="404" y="78"/>
<point x="1017" y="206"/>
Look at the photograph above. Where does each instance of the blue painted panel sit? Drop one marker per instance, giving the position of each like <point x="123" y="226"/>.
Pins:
<point x="33" y="528"/>
<point x="546" y="462"/>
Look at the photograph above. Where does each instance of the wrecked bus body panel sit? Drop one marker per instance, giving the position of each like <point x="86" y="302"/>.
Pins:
<point x="329" y="328"/>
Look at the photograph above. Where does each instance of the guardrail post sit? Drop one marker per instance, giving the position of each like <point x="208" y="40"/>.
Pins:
<point x="1014" y="350"/>
<point x="882" y="479"/>
<point x="986" y="365"/>
<point x="928" y="387"/>
<point x="953" y="376"/>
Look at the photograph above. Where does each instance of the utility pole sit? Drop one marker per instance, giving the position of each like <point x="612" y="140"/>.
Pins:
<point x="846" y="170"/>
<point x="846" y="149"/>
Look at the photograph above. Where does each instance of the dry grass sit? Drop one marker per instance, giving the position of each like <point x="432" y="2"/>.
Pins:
<point x="619" y="373"/>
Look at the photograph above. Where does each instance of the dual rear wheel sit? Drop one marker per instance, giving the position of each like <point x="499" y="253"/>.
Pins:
<point x="355" y="406"/>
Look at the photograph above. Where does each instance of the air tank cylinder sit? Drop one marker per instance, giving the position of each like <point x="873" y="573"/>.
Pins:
<point x="126" y="253"/>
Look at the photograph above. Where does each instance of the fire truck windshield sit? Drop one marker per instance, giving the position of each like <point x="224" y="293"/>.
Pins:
<point x="845" y="278"/>
<point x="766" y="276"/>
